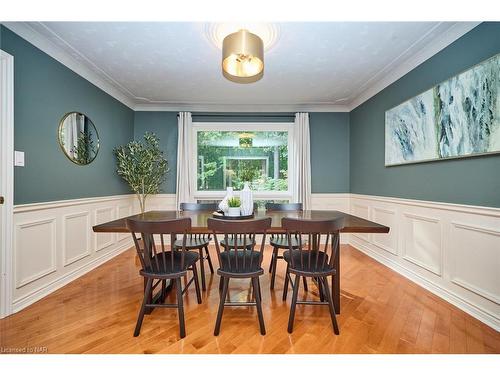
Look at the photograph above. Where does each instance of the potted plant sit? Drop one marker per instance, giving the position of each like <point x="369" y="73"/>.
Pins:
<point x="234" y="204"/>
<point x="143" y="166"/>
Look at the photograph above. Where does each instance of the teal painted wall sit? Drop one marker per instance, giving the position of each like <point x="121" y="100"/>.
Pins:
<point x="329" y="142"/>
<point x="44" y="90"/>
<point x="474" y="181"/>
<point x="164" y="125"/>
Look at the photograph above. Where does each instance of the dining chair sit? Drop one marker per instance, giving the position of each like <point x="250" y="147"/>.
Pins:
<point x="162" y="265"/>
<point x="280" y="241"/>
<point x="311" y="259"/>
<point x="240" y="260"/>
<point x="200" y="242"/>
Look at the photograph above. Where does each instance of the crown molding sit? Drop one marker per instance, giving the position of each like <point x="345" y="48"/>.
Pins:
<point x="25" y="31"/>
<point x="440" y="42"/>
<point x="214" y="107"/>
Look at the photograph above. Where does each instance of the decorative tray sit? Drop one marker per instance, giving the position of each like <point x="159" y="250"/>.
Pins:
<point x="220" y="215"/>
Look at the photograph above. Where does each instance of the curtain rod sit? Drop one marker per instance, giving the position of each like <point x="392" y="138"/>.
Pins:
<point x="241" y="115"/>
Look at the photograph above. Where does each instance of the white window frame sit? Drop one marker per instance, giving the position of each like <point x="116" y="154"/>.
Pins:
<point x="242" y="126"/>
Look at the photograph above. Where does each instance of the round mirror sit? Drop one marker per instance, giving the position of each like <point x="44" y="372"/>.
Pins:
<point x="78" y="138"/>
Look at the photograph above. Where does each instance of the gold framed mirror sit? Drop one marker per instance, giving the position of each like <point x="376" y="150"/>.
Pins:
<point x="78" y="138"/>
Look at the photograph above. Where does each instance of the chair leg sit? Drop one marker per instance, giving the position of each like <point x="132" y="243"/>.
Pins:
<point x="180" y="308"/>
<point x="285" y="287"/>
<point x="163" y="290"/>
<point x="271" y="262"/>
<point x="140" y="318"/>
<point x="296" y="285"/>
<point x="320" y="290"/>
<point x="221" y="305"/>
<point x="305" y="284"/>
<point x="328" y="296"/>
<point x="260" y="290"/>
<point x="209" y="260"/>
<point x="258" y="302"/>
<point x="196" y="284"/>
<point x="202" y="269"/>
<point x="274" y="262"/>
<point x="221" y="284"/>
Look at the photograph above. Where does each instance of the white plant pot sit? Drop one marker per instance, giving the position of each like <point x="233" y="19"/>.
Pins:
<point x="233" y="211"/>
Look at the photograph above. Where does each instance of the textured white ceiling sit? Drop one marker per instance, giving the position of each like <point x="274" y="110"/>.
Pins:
<point x="174" y="63"/>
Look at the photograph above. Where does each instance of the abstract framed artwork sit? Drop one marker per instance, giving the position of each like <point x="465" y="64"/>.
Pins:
<point x="457" y="118"/>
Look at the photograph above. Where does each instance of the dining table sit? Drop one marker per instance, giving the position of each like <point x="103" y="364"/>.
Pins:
<point x="350" y="224"/>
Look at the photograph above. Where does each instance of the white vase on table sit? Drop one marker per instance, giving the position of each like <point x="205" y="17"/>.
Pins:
<point x="223" y="205"/>
<point x="246" y="197"/>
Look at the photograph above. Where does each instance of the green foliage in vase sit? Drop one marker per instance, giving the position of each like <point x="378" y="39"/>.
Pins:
<point x="143" y="166"/>
<point x="85" y="150"/>
<point x="234" y="202"/>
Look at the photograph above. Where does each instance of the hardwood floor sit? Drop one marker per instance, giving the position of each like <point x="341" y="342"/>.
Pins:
<point x="382" y="312"/>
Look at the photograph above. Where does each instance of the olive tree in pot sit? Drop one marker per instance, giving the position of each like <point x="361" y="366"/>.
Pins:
<point x="143" y="166"/>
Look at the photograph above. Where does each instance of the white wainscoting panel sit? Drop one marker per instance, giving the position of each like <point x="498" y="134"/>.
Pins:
<point x="54" y="243"/>
<point x="35" y="242"/>
<point x="103" y="215"/>
<point x="475" y="263"/>
<point x="387" y="217"/>
<point x="361" y="210"/>
<point x="422" y="242"/>
<point x="76" y="233"/>
<point x="452" y="250"/>
<point x="124" y="210"/>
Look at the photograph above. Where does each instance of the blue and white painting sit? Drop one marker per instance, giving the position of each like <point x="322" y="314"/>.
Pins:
<point x="456" y="118"/>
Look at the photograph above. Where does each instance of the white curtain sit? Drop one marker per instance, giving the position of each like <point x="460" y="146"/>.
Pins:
<point x="301" y="161"/>
<point x="185" y="172"/>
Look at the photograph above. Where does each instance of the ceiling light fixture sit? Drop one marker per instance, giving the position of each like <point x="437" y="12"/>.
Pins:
<point x="243" y="57"/>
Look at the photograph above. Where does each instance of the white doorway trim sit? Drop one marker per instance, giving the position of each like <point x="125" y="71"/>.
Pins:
<point x="6" y="180"/>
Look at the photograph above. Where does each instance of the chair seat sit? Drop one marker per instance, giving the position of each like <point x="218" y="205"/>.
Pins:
<point x="233" y="262"/>
<point x="282" y="242"/>
<point x="162" y="265"/>
<point x="318" y="263"/>
<point x="193" y="243"/>
<point x="239" y="243"/>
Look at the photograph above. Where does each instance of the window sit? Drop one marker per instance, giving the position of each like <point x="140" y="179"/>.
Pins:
<point x="230" y="154"/>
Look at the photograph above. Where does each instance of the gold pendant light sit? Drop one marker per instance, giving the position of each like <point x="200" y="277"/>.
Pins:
<point x="243" y="57"/>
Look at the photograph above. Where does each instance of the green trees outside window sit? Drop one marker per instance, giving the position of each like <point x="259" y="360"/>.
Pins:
<point x="231" y="158"/>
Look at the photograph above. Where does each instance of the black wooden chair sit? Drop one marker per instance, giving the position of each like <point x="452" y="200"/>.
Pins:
<point x="280" y="241"/>
<point x="163" y="265"/>
<point x="197" y="241"/>
<point x="313" y="260"/>
<point x="240" y="261"/>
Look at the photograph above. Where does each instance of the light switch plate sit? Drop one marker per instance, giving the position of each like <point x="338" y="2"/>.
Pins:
<point x="18" y="158"/>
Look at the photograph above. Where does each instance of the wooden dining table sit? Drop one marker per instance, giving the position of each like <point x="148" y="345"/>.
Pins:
<point x="351" y="224"/>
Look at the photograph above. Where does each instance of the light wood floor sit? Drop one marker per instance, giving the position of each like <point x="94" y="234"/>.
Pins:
<point x="382" y="312"/>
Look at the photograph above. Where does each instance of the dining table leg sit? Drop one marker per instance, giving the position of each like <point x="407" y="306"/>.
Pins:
<point x="336" y="277"/>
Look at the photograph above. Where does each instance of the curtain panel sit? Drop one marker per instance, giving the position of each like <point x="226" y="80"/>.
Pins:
<point x="301" y="161"/>
<point x="185" y="173"/>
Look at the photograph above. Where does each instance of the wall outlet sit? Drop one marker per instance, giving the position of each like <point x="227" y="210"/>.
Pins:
<point x="18" y="158"/>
